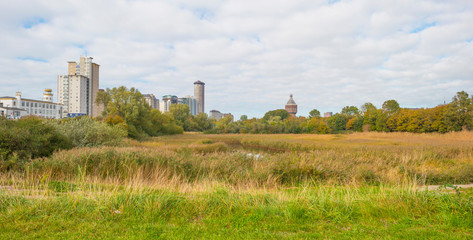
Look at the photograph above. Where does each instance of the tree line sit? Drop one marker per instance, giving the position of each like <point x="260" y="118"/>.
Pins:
<point x="455" y="116"/>
<point x="127" y="107"/>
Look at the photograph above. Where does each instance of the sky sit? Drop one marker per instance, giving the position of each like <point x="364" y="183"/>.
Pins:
<point x="251" y="54"/>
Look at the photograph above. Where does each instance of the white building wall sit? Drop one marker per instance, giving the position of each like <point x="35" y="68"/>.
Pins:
<point x="63" y="92"/>
<point x="73" y="94"/>
<point x="164" y="106"/>
<point x="34" y="107"/>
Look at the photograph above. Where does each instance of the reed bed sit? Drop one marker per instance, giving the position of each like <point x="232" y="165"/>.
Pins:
<point x="194" y="186"/>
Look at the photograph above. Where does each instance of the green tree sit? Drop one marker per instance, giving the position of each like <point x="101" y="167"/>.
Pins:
<point x="181" y="114"/>
<point x="368" y="107"/>
<point x="283" y="114"/>
<point x="314" y="113"/>
<point x="391" y="106"/>
<point x="459" y="114"/>
<point x="369" y="115"/>
<point x="349" y="111"/>
<point x="337" y="122"/>
<point x="202" y="122"/>
<point x="102" y="98"/>
<point x="243" y="118"/>
<point x="141" y="120"/>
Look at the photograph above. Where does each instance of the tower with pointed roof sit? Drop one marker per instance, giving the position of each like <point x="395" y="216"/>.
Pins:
<point x="291" y="106"/>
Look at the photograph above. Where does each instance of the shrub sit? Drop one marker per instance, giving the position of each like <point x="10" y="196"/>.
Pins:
<point x="29" y="138"/>
<point x="85" y="131"/>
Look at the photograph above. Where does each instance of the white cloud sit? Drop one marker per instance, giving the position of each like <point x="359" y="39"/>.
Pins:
<point x="250" y="54"/>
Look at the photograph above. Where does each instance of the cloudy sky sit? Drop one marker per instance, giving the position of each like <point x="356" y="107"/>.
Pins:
<point x="251" y="54"/>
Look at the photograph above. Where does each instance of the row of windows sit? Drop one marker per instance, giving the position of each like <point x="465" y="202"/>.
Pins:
<point x="41" y="105"/>
<point x="46" y="112"/>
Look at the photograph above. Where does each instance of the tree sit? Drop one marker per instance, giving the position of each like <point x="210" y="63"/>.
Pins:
<point x="459" y="114"/>
<point x="202" y="122"/>
<point x="355" y="123"/>
<point x="140" y="119"/>
<point x="368" y="107"/>
<point x="243" y="118"/>
<point x="283" y="114"/>
<point x="337" y="122"/>
<point x="314" y="113"/>
<point x="391" y="106"/>
<point x="349" y="111"/>
<point x="318" y="126"/>
<point x="181" y="114"/>
<point x="369" y="115"/>
<point x="223" y="124"/>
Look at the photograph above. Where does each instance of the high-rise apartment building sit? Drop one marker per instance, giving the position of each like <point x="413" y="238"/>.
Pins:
<point x="152" y="101"/>
<point x="199" y="95"/>
<point x="78" y="89"/>
<point x="189" y="101"/>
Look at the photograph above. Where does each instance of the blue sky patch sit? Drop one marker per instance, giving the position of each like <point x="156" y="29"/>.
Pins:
<point x="33" y="22"/>
<point x="203" y="14"/>
<point x="78" y="45"/>
<point x="32" y="59"/>
<point x="423" y="27"/>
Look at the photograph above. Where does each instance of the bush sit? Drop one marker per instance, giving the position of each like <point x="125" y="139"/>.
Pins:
<point x="29" y="138"/>
<point x="85" y="131"/>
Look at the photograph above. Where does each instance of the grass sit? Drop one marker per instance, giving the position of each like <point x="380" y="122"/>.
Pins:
<point x="196" y="186"/>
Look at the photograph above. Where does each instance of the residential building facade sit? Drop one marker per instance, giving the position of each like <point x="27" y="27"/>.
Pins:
<point x="217" y="115"/>
<point x="77" y="90"/>
<point x="152" y="101"/>
<point x="189" y="101"/>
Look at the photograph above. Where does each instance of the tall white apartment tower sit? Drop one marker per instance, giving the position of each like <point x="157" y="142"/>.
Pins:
<point x="199" y="95"/>
<point x="78" y="89"/>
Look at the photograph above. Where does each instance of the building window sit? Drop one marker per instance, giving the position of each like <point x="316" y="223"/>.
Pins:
<point x="35" y="104"/>
<point x="22" y="104"/>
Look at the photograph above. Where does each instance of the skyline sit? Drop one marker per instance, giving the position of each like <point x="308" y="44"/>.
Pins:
<point x="251" y="56"/>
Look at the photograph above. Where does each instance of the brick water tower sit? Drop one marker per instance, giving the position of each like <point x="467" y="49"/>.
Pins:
<point x="291" y="106"/>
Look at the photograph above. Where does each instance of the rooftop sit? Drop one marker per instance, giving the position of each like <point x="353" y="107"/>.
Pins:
<point x="199" y="82"/>
<point x="291" y="101"/>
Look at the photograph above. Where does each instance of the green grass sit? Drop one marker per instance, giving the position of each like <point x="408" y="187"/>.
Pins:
<point x="193" y="186"/>
<point x="330" y="211"/>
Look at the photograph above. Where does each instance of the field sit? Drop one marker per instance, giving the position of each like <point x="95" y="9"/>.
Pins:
<point x="196" y="186"/>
